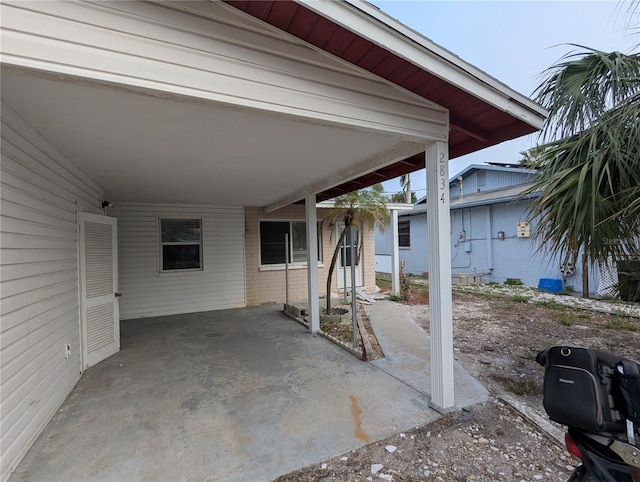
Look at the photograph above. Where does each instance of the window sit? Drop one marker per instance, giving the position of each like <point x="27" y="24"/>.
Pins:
<point x="180" y="244"/>
<point x="272" y="242"/>
<point x="404" y="234"/>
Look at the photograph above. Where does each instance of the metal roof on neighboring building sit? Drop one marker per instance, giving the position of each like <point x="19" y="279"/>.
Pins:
<point x="496" y="196"/>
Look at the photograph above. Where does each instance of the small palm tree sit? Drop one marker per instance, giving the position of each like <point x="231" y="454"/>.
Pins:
<point x="589" y="166"/>
<point x="367" y="207"/>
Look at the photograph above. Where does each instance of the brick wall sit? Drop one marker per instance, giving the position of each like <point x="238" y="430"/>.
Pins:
<point x="268" y="286"/>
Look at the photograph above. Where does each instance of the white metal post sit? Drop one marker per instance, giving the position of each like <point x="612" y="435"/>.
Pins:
<point x="440" y="303"/>
<point x="286" y="271"/>
<point x="395" y="254"/>
<point x="354" y="305"/>
<point x="344" y="269"/>
<point x="312" y="262"/>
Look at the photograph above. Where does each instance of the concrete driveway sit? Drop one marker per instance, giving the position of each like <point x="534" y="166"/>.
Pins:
<point x="228" y="395"/>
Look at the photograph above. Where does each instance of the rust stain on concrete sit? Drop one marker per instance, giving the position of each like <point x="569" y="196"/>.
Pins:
<point x="355" y="413"/>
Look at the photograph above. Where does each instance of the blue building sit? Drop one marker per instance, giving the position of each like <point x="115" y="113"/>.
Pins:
<point x="490" y="235"/>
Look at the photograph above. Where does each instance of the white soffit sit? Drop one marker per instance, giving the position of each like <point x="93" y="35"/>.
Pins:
<point x="145" y="149"/>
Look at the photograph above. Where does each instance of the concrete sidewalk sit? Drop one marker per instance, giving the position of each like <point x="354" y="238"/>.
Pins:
<point x="407" y="350"/>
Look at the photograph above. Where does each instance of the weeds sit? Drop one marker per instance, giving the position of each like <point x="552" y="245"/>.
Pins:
<point x="566" y="319"/>
<point x="552" y="305"/>
<point x="520" y="298"/>
<point x="568" y="290"/>
<point x="395" y="297"/>
<point x="618" y="323"/>
<point x="425" y="291"/>
<point x="522" y="387"/>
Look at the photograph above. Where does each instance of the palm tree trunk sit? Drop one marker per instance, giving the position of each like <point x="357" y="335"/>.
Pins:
<point x="407" y="193"/>
<point x="332" y="267"/>
<point x="585" y="276"/>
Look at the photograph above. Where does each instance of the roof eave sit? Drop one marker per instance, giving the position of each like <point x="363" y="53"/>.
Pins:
<point x="414" y="47"/>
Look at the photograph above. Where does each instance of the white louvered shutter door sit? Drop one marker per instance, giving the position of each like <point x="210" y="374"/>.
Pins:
<point x="98" y="266"/>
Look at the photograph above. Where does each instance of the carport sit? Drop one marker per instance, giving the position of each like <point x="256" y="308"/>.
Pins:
<point x="233" y="395"/>
<point x="174" y="106"/>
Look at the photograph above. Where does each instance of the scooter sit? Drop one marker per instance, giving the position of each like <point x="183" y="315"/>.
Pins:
<point x="604" y="456"/>
<point x="597" y="396"/>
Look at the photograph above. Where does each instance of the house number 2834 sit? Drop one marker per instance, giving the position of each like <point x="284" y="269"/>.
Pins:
<point x="442" y="168"/>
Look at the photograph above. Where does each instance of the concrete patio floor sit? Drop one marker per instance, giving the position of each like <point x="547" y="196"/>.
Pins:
<point x="230" y="395"/>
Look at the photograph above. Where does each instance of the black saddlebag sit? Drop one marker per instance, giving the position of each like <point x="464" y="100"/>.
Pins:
<point x="628" y="374"/>
<point x="579" y="388"/>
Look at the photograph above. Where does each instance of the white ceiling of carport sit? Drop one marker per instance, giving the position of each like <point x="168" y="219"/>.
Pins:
<point x="142" y="148"/>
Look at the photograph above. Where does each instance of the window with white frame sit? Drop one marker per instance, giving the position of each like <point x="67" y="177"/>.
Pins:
<point x="404" y="234"/>
<point x="180" y="244"/>
<point x="272" y="242"/>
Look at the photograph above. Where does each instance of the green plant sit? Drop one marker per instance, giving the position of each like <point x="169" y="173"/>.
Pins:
<point x="522" y="387"/>
<point x="520" y="299"/>
<point x="588" y="169"/>
<point x="567" y="290"/>
<point x="364" y="207"/>
<point x="531" y="355"/>
<point x="395" y="298"/>
<point x="513" y="282"/>
<point x="619" y="323"/>
<point x="552" y="305"/>
<point x="492" y="283"/>
<point x="565" y="319"/>
<point x="425" y="291"/>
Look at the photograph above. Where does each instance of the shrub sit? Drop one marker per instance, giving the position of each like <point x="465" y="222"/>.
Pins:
<point x="513" y="282"/>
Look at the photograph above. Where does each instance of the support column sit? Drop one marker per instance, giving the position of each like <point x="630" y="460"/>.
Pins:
<point x="312" y="262"/>
<point x="395" y="254"/>
<point x="440" y="303"/>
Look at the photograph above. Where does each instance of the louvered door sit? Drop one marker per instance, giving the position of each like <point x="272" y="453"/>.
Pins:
<point x="99" y="279"/>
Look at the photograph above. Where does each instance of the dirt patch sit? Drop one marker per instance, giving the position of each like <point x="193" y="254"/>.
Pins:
<point x="489" y="443"/>
<point x="496" y="339"/>
<point x="339" y="325"/>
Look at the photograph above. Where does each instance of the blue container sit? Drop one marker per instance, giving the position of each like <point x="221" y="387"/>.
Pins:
<point x="550" y="284"/>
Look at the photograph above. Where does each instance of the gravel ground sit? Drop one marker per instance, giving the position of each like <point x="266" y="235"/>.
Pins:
<point x="497" y="330"/>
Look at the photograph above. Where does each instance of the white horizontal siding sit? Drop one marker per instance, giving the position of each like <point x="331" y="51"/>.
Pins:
<point x="210" y="51"/>
<point x="40" y="191"/>
<point x="147" y="292"/>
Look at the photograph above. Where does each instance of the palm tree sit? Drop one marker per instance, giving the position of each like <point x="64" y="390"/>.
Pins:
<point x="405" y="182"/>
<point x="589" y="164"/>
<point x="401" y="197"/>
<point x="366" y="206"/>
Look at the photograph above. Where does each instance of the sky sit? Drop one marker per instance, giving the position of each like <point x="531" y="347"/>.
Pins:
<point x="514" y="42"/>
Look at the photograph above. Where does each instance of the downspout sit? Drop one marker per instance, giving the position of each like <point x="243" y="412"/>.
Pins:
<point x="489" y="241"/>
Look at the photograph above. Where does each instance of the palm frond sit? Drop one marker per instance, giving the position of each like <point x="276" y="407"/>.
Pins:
<point x="585" y="181"/>
<point x="367" y="206"/>
<point x="583" y="86"/>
